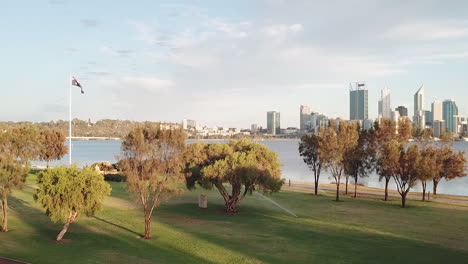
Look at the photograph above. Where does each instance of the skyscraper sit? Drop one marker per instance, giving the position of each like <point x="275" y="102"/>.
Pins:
<point x="402" y="110"/>
<point x="385" y="109"/>
<point x="450" y="113"/>
<point x="273" y="122"/>
<point x="419" y="115"/>
<point x="436" y="109"/>
<point x="304" y="116"/>
<point x="358" y="101"/>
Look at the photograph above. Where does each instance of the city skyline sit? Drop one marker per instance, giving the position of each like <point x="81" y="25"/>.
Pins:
<point x="239" y="58"/>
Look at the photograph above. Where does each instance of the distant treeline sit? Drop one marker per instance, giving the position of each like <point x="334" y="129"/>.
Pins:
<point x="82" y="128"/>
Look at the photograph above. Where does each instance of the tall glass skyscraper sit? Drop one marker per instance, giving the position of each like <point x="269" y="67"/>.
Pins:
<point x="358" y="101"/>
<point x="419" y="114"/>
<point x="385" y="109"/>
<point x="450" y="113"/>
<point x="273" y="123"/>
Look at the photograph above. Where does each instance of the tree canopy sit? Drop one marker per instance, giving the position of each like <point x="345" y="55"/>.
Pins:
<point x="53" y="145"/>
<point x="152" y="160"/>
<point x="309" y="149"/>
<point x="67" y="192"/>
<point x="17" y="146"/>
<point x="241" y="163"/>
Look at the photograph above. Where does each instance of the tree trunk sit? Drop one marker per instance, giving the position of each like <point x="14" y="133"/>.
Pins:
<point x="230" y="205"/>
<point x="338" y="190"/>
<point x="424" y="190"/>
<point x="403" y="199"/>
<point x="147" y="227"/>
<point x="47" y="164"/>
<point x="386" y="188"/>
<point x="355" y="187"/>
<point x="434" y="189"/>
<point x="5" y="214"/>
<point x="70" y="220"/>
<point x="346" y="188"/>
<point x="316" y="186"/>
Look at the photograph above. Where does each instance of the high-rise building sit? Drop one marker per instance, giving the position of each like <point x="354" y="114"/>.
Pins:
<point x="385" y="109"/>
<point x="273" y="123"/>
<point x="188" y="124"/>
<point x="304" y="116"/>
<point x="436" y="109"/>
<point x="419" y="115"/>
<point x="438" y="127"/>
<point x="428" y="119"/>
<point x="358" y="101"/>
<point x="254" y="128"/>
<point x="403" y="111"/>
<point x="450" y="113"/>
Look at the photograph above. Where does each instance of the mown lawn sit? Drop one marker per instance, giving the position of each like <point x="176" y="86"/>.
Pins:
<point x="351" y="231"/>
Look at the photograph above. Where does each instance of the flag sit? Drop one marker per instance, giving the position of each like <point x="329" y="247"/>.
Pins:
<point x="76" y="83"/>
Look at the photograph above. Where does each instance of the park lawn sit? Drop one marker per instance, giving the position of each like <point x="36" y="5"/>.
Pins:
<point x="363" y="230"/>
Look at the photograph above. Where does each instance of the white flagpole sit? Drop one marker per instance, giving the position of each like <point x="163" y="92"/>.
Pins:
<point x="70" y="122"/>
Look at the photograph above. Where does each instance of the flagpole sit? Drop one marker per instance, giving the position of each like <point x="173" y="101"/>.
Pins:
<point x="70" y="121"/>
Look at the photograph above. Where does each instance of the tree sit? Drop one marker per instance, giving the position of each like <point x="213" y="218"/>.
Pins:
<point x="244" y="165"/>
<point x="333" y="148"/>
<point x="449" y="165"/>
<point x="17" y="147"/>
<point x="406" y="175"/>
<point x="427" y="169"/>
<point x="67" y="192"/>
<point x="309" y="150"/>
<point x="152" y="162"/>
<point x="386" y="132"/>
<point x="53" y="145"/>
<point x="359" y="160"/>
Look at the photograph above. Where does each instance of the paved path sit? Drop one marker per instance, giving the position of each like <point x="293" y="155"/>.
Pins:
<point x="10" y="261"/>
<point x="413" y="196"/>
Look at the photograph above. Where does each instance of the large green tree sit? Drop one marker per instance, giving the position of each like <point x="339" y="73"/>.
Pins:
<point x="335" y="142"/>
<point x="53" y="145"/>
<point x="152" y="161"/>
<point x="243" y="165"/>
<point x="309" y="150"/>
<point x="67" y="192"/>
<point x="17" y="147"/>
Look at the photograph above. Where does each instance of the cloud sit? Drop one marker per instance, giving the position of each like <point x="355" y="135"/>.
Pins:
<point x="130" y="83"/>
<point x="193" y="60"/>
<point x="116" y="52"/>
<point x="234" y="30"/>
<point x="144" y="32"/>
<point x="99" y="73"/>
<point x="429" y="30"/>
<point x="90" y="23"/>
<point x="281" y="30"/>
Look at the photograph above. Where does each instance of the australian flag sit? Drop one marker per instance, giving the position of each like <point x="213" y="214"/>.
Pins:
<point x="76" y="83"/>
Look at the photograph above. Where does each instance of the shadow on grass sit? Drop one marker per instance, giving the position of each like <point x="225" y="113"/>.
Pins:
<point x="118" y="226"/>
<point x="260" y="234"/>
<point x="99" y="241"/>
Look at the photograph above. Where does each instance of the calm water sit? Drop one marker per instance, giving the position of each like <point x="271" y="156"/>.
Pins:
<point x="88" y="152"/>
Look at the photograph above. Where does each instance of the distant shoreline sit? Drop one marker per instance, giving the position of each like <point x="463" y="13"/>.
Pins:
<point x="95" y="138"/>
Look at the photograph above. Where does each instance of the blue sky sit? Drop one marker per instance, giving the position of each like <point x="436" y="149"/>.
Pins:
<point x="226" y="62"/>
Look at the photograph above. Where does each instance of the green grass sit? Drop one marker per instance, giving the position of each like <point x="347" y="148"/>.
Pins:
<point x="352" y="231"/>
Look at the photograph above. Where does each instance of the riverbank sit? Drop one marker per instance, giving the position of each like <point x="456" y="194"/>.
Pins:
<point x="375" y="193"/>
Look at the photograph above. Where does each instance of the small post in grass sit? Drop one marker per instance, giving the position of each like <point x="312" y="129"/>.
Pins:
<point x="203" y="201"/>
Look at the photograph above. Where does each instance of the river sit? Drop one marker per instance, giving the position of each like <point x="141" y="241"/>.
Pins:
<point x="88" y="152"/>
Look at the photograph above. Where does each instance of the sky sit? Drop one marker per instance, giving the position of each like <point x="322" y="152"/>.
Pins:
<point x="226" y="63"/>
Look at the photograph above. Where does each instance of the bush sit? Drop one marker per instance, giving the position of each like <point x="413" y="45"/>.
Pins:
<point x="115" y="177"/>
